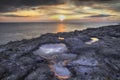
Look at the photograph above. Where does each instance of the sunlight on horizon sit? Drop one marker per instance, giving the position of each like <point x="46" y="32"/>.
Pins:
<point x="62" y="17"/>
<point x="79" y="10"/>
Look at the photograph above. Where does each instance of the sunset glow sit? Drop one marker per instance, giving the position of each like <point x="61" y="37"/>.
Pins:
<point x="80" y="10"/>
<point x="62" y="17"/>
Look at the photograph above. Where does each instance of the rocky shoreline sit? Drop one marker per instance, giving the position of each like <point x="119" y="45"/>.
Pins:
<point x="91" y="54"/>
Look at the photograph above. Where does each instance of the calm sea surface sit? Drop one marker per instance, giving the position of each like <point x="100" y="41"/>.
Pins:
<point x="19" y="31"/>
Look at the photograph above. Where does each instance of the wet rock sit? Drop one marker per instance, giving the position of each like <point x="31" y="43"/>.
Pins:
<point x="91" y="73"/>
<point x="70" y="55"/>
<point x="114" y="34"/>
<point x="64" y="56"/>
<point x="1" y="50"/>
<point x="56" y="53"/>
<point x="86" y="61"/>
<point x="83" y="37"/>
<point x="74" y="44"/>
<point x="2" y="71"/>
<point x="111" y="53"/>
<point x="114" y="65"/>
<point x="42" y="73"/>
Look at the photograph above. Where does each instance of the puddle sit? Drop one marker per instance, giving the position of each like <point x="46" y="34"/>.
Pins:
<point x="58" y="57"/>
<point x="60" y="38"/>
<point x="50" y="50"/>
<point x="93" y="40"/>
<point x="60" y="71"/>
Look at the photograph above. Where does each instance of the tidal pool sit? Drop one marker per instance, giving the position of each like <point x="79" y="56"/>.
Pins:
<point x="58" y="56"/>
<point x="93" y="40"/>
<point x="50" y="50"/>
<point x="60" y="71"/>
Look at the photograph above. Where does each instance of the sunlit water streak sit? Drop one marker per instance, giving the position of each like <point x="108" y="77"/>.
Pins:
<point x="19" y="31"/>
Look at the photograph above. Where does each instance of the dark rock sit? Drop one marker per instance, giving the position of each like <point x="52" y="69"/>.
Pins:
<point x="74" y="44"/>
<point x="99" y="60"/>
<point x="41" y="73"/>
<point x="85" y="61"/>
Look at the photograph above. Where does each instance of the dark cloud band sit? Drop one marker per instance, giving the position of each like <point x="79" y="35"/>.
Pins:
<point x="12" y="5"/>
<point x="101" y="15"/>
<point x="12" y="15"/>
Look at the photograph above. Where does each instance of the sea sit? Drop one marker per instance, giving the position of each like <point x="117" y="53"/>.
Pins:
<point x="18" y="31"/>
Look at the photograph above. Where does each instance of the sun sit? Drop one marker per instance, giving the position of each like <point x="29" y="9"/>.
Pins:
<point x="87" y="8"/>
<point x="62" y="17"/>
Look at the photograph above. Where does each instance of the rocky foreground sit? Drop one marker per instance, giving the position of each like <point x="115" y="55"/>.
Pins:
<point x="91" y="54"/>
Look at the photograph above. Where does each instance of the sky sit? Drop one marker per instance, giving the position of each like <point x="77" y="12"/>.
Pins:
<point x="59" y="10"/>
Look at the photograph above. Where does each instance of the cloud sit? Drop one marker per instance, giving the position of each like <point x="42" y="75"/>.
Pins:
<point x="100" y="1"/>
<point x="70" y="8"/>
<point x="13" y="5"/>
<point x="90" y="2"/>
<point x="101" y="4"/>
<point x="12" y="15"/>
<point x="101" y="15"/>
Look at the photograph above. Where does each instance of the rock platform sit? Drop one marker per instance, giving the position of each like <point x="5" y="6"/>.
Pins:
<point x="91" y="54"/>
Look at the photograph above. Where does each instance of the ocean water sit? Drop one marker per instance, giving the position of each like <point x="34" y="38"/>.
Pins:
<point x="19" y="31"/>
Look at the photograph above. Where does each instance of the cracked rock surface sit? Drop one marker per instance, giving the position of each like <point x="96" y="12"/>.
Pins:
<point x="91" y="54"/>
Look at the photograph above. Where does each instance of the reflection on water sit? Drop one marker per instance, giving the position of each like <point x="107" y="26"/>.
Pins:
<point x="60" y="38"/>
<point x="93" y="40"/>
<point x="61" y="28"/>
